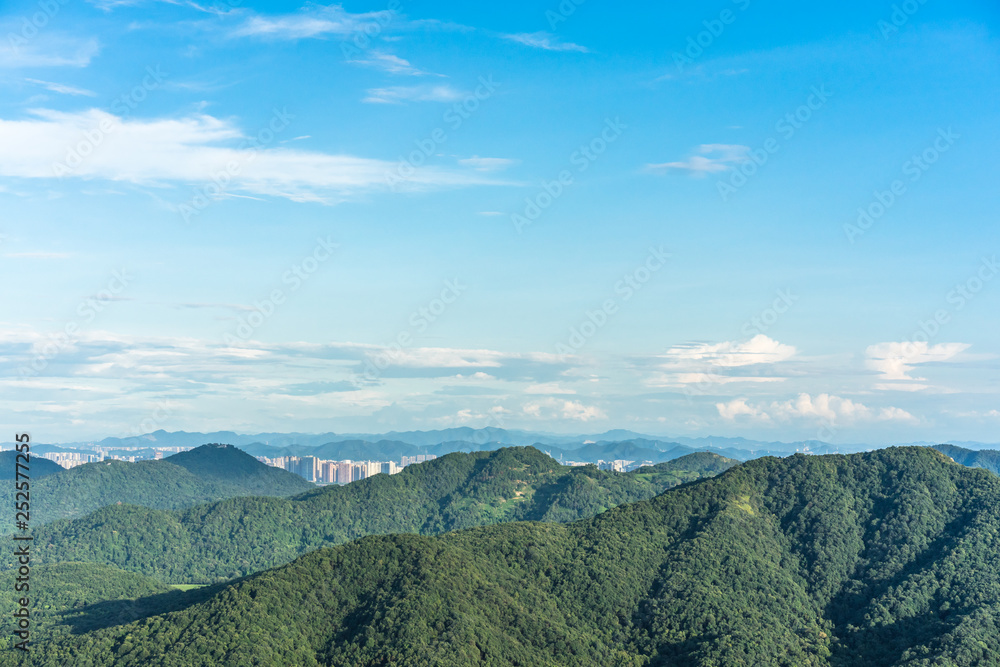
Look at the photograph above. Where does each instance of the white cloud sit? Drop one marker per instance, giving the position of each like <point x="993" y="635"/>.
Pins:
<point x="546" y="41"/>
<point x="714" y="378"/>
<point x="400" y="94"/>
<point x="737" y="407"/>
<point x="548" y="388"/>
<point x="895" y="414"/>
<point x="312" y="22"/>
<point x="712" y="158"/>
<point x="390" y="63"/>
<point x="895" y="360"/>
<point x="824" y="408"/>
<point x="62" y="88"/>
<point x="193" y="149"/>
<point x="50" y="49"/>
<point x="551" y="408"/>
<point x="487" y="163"/>
<point x="758" y="350"/>
<point x="212" y="8"/>
<point x="580" y="412"/>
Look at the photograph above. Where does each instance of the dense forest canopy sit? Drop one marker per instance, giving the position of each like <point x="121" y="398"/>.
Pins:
<point x="884" y="558"/>
<point x="204" y="474"/>
<point x="217" y="541"/>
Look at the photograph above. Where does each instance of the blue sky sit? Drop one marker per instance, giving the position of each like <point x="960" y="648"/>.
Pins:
<point x="729" y="218"/>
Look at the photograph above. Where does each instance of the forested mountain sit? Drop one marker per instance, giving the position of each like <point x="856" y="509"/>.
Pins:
<point x="225" y="464"/>
<point x="637" y="449"/>
<point x="877" y="559"/>
<point x="204" y="474"/>
<point x="38" y="467"/>
<point x="234" y="537"/>
<point x="983" y="458"/>
<point x="75" y="597"/>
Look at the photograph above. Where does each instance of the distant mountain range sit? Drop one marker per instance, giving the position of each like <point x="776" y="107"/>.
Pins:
<point x="886" y="558"/>
<point x="204" y="474"/>
<point x="460" y="439"/>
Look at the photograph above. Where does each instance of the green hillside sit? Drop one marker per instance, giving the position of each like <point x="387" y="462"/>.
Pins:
<point x="70" y="598"/>
<point x="38" y="467"/>
<point x="988" y="459"/>
<point x="235" y="537"/>
<point x="877" y="559"/>
<point x="205" y="474"/>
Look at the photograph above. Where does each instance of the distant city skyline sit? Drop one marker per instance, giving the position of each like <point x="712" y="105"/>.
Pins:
<point x="725" y="219"/>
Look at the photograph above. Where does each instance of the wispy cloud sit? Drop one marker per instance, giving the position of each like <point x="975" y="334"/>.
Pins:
<point x="554" y="408"/>
<point x="212" y="8"/>
<point x="546" y="41"/>
<point x="758" y="350"/>
<point x="401" y="94"/>
<point x="390" y="63"/>
<point x="549" y="388"/>
<point x="311" y="22"/>
<point x="487" y="163"/>
<point x="62" y="88"/>
<point x="710" y="159"/>
<point x="46" y="50"/>
<point x="191" y="149"/>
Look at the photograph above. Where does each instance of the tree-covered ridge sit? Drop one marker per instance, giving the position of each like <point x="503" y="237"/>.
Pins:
<point x="205" y="474"/>
<point x="235" y="537"/>
<point x="983" y="458"/>
<point x="38" y="466"/>
<point x="71" y="598"/>
<point x="878" y="559"/>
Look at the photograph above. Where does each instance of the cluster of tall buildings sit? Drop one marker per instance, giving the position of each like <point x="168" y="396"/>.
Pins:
<point x="618" y="465"/>
<point x="339" y="472"/>
<point x="621" y="465"/>
<point x="419" y="458"/>
<point x="71" y="459"/>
